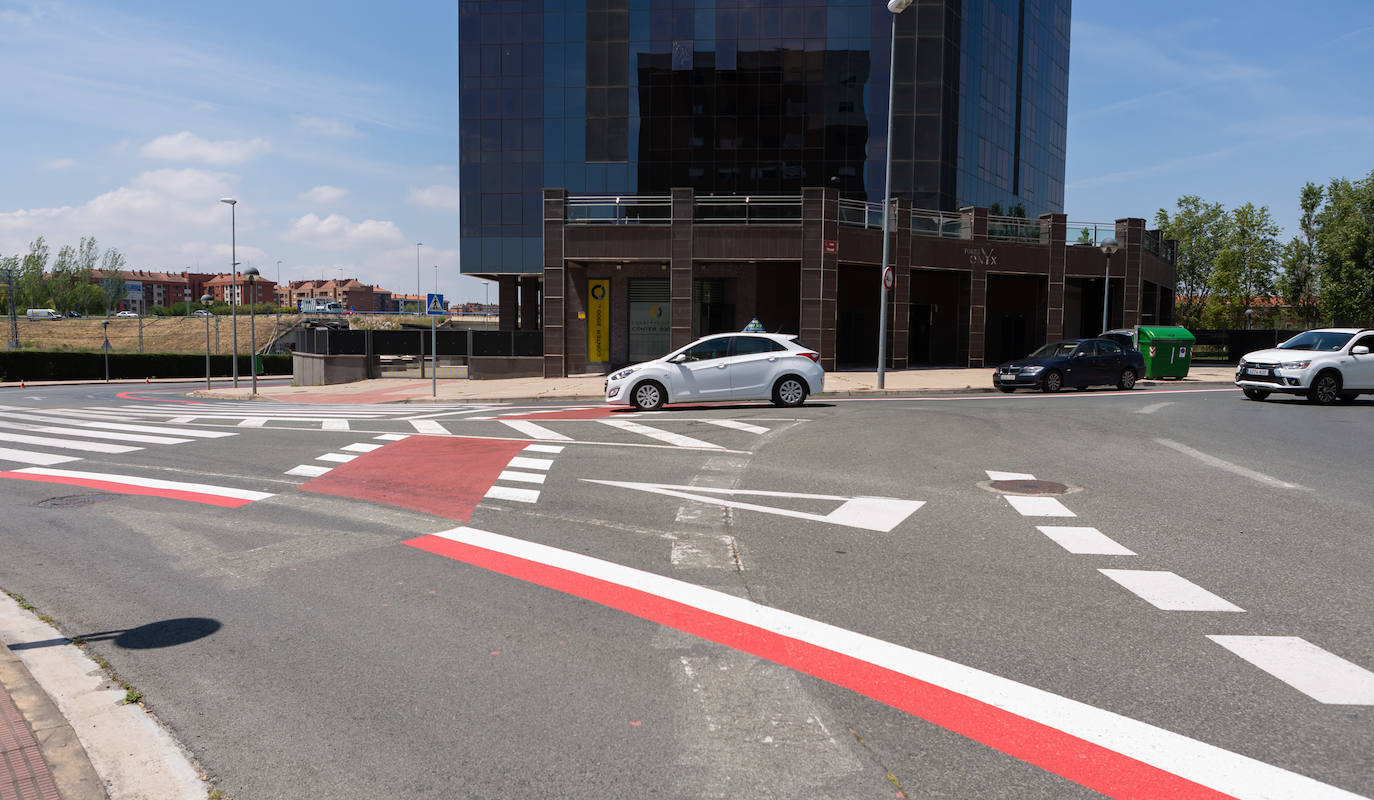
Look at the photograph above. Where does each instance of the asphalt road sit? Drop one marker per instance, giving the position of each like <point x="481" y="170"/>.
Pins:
<point x="347" y="664"/>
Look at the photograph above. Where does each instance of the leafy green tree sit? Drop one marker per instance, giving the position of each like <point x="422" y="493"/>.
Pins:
<point x="111" y="282"/>
<point x="1297" y="281"/>
<point x="1245" y="269"/>
<point x="1201" y="230"/>
<point x="30" y="285"/>
<point x="1085" y="236"/>
<point x="1344" y="240"/>
<point x="9" y="271"/>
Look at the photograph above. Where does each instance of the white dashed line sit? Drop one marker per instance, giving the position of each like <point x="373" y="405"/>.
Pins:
<point x="337" y="457"/>
<point x="1038" y="506"/>
<point x="994" y="475"/>
<point x="521" y="477"/>
<point x="308" y="470"/>
<point x="662" y="436"/>
<point x="735" y="424"/>
<point x="254" y="422"/>
<point x="531" y="463"/>
<point x="427" y="426"/>
<point x="334" y="425"/>
<point x="1084" y="541"/>
<point x="1167" y="591"/>
<point x="361" y="447"/>
<point x="392" y="437"/>
<point x="510" y="493"/>
<point x="544" y="448"/>
<point x="1234" y="469"/>
<point x="535" y="431"/>
<point x="1306" y="667"/>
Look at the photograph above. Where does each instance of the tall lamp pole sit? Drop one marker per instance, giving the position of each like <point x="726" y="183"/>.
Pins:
<point x="105" y="328"/>
<point x="205" y="300"/>
<point x="1108" y="246"/>
<point x="276" y="328"/>
<point x="419" y="295"/>
<point x="251" y="274"/>
<point x="896" y="7"/>
<point x="234" y="286"/>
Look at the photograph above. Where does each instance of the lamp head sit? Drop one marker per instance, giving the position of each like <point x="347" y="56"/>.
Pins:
<point x="251" y="272"/>
<point x="898" y="6"/>
<point x="205" y="298"/>
<point x="1109" y="246"/>
<point x="231" y="201"/>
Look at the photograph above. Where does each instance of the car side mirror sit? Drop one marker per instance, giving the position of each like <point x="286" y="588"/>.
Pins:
<point x="1079" y="354"/>
<point x="1359" y="350"/>
<point x="679" y="358"/>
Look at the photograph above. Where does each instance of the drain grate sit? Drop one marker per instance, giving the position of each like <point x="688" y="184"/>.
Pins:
<point x="1029" y="487"/>
<point x="74" y="500"/>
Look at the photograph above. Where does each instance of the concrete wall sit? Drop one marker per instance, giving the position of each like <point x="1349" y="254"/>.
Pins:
<point x="309" y="369"/>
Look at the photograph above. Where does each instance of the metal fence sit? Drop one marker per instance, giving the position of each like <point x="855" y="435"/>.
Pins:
<point x="748" y="209"/>
<point x="1013" y="229"/>
<point x="626" y="210"/>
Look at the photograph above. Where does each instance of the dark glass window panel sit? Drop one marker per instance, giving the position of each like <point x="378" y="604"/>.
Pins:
<point x="596" y="65"/>
<point x="491" y="59"/>
<point x="470" y="60"/>
<point x="596" y="139"/>
<point x="793" y="22"/>
<point x="641" y="27"/>
<point x="491" y="134"/>
<point x="531" y="133"/>
<point x="532" y="60"/>
<point x="532" y="28"/>
<point x="510" y="27"/>
<point x="512" y="212"/>
<point x="750" y="345"/>
<point x="510" y="103"/>
<point x="618" y="26"/>
<point x="596" y="102"/>
<point x="531" y="102"/>
<point x="618" y="65"/>
<point x="510" y="59"/>
<point x="553" y="175"/>
<point x="490" y="25"/>
<point x="491" y="209"/>
<point x="682" y="54"/>
<point x="684" y="24"/>
<point x="596" y="26"/>
<point x="618" y="102"/>
<point x="575" y="103"/>
<point x="469" y="104"/>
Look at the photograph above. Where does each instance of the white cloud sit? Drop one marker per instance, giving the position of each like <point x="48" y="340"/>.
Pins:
<point x="187" y="146"/>
<point x="61" y="163"/>
<point x="438" y="197"/>
<point x="334" y="128"/>
<point x="324" y="195"/>
<point x="337" y="232"/>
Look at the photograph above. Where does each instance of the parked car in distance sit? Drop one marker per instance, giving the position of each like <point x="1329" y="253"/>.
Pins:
<point x="725" y="366"/>
<point x="127" y="315"/>
<point x="200" y="312"/>
<point x="42" y="313"/>
<point x="1079" y="363"/>
<point x="1326" y="365"/>
<point x="75" y="315"/>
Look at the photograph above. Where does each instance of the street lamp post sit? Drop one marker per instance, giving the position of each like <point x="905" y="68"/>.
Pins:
<point x="105" y="328"/>
<point x="1108" y="246"/>
<point x="418" y="294"/>
<point x="276" y="327"/>
<point x="251" y="274"/>
<point x="205" y="300"/>
<point x="896" y="7"/>
<point x="234" y="287"/>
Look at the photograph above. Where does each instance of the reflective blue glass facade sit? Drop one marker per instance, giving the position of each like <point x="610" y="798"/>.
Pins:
<point x="752" y="97"/>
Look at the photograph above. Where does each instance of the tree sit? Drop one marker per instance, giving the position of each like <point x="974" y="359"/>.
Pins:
<point x="1297" y="281"/>
<point x="30" y="286"/>
<point x="1085" y="236"/>
<point x="1245" y="268"/>
<point x="111" y="282"/>
<point x="1200" y="229"/>
<point x="1344" y="239"/>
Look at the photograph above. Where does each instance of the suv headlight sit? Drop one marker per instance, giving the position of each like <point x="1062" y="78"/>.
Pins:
<point x="624" y="373"/>
<point x="1295" y="364"/>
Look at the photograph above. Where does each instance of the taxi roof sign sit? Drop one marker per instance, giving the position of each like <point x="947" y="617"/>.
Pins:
<point x="754" y="326"/>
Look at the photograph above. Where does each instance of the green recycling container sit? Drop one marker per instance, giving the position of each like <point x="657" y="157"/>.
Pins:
<point x="1168" y="350"/>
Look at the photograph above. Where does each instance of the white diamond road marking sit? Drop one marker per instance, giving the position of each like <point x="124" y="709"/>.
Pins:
<point x="308" y="470"/>
<point x="67" y="444"/>
<point x="520" y="477"/>
<point x="544" y="448"/>
<point x="427" y="426"/>
<point x="29" y="457"/>
<point x="1324" y="677"/>
<point x="531" y="463"/>
<point x="1169" y="592"/>
<point x="535" y="431"/>
<point x="662" y="436"/>
<point x="1084" y="541"/>
<point x="1038" y="506"/>
<point x="994" y="475"/>
<point x="361" y="447"/>
<point x="339" y="457"/>
<point x="510" y="493"/>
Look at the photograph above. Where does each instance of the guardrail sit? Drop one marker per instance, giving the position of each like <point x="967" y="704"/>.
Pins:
<point x="748" y="209"/>
<point x="945" y="224"/>
<point x="620" y="210"/>
<point x="1013" y="229"/>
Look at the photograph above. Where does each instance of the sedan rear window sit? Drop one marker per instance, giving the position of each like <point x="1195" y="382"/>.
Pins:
<point x="1329" y="341"/>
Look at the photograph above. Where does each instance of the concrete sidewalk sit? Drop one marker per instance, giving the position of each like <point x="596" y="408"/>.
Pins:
<point x="589" y="388"/>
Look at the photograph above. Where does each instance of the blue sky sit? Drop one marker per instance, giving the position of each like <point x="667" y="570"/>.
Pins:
<point x="335" y="124"/>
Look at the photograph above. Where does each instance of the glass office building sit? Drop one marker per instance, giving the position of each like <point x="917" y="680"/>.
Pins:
<point x="759" y="97"/>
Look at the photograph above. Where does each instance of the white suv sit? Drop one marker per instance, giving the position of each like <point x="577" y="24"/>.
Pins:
<point x="1327" y="365"/>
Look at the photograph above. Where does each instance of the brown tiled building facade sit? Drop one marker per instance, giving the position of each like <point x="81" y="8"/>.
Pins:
<point x="968" y="290"/>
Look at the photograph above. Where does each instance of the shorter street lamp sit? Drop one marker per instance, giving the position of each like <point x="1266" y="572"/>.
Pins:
<point x="252" y="275"/>
<point x="105" y="328"/>
<point x="205" y="301"/>
<point x="1108" y="246"/>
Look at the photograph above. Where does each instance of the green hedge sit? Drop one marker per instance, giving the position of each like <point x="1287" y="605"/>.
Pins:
<point x="33" y="365"/>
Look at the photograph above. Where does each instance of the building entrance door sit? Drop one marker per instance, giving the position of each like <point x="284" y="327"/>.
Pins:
<point x="918" y="334"/>
<point x="650" y="319"/>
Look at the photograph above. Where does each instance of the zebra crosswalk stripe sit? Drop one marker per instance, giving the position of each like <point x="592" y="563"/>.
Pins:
<point x="30" y="457"/>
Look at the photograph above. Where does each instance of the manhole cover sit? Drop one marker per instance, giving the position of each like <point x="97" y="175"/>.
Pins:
<point x="1029" y="487"/>
<point x="74" y="500"/>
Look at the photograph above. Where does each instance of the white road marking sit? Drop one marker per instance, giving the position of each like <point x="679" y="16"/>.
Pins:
<point x="308" y="470"/>
<point x="736" y="425"/>
<point x="334" y="425"/>
<point x="1084" y="541"/>
<point x="1167" y="591"/>
<point x="1227" y="465"/>
<point x="181" y="420"/>
<point x="392" y="437"/>
<point x="114" y="426"/>
<point x="337" y="457"/>
<point x="662" y="436"/>
<point x="152" y="483"/>
<point x="534" y="431"/>
<point x="994" y="475"/>
<point x="254" y="422"/>
<point x="29" y="457"/>
<point x="1221" y="770"/>
<point x="67" y="444"/>
<point x="544" y="448"/>
<point x="1153" y="407"/>
<point x="93" y="434"/>
<point x="531" y="463"/>
<point x="1320" y="675"/>
<point x="1038" y="506"/>
<point x="521" y="477"/>
<point x="870" y="513"/>
<point x="361" y="447"/>
<point x="517" y="495"/>
<point x="427" y="426"/>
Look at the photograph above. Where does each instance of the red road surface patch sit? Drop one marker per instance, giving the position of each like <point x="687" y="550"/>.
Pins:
<point x="435" y="475"/>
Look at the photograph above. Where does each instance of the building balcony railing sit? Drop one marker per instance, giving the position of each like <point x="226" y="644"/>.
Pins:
<point x="748" y="209"/>
<point x="624" y="210"/>
<point x="1013" y="229"/>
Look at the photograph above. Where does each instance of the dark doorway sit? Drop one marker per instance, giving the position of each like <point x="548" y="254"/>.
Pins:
<point x="856" y="317"/>
<point x="918" y="345"/>
<point x="1015" y="316"/>
<point x="933" y="333"/>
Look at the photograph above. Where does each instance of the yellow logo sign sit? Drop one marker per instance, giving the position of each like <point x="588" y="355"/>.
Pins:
<point x="598" y="321"/>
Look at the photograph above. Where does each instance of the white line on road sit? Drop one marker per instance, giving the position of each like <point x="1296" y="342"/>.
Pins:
<point x="337" y="457"/>
<point x="655" y="433"/>
<point x="1084" y="541"/>
<point x="520" y="477"/>
<point x="392" y="437"/>
<point x="1153" y="407"/>
<point x="153" y="483"/>
<point x="67" y="444"/>
<point x="427" y="426"/>
<point x="254" y="422"/>
<point x="1038" y="506"/>
<point x="29" y="457"/>
<point x="308" y="470"/>
<point x="994" y="475"/>
<point x="517" y="495"/>
<point x="535" y="431"/>
<point x="1167" y="591"/>
<point x="1324" y="677"/>
<point x="544" y="448"/>
<point x="334" y="425"/>
<point x="361" y="447"/>
<point x="114" y="426"/>
<point x="531" y="463"/>
<point x="736" y="425"/>
<point x="92" y="434"/>
<point x="1227" y="465"/>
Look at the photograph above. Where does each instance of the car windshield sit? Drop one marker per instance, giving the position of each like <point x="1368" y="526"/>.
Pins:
<point x="1054" y="350"/>
<point x="1317" y="340"/>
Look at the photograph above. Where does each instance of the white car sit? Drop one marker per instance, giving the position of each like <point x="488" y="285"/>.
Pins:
<point x="127" y="315"/>
<point x="726" y="366"/>
<point x="1326" y="365"/>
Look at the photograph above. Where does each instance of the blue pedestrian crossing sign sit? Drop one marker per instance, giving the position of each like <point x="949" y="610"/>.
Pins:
<point x="434" y="305"/>
<point x="754" y="326"/>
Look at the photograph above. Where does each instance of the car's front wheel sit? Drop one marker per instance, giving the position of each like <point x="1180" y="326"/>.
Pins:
<point x="1255" y="394"/>
<point x="789" y="392"/>
<point x="1326" y="389"/>
<point x="1127" y="379"/>
<point x="649" y="396"/>
<point x="1053" y="381"/>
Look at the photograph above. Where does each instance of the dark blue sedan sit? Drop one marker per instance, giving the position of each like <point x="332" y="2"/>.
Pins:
<point x="1079" y="363"/>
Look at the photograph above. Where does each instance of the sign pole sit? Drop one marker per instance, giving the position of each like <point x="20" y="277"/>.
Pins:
<point x="433" y="354"/>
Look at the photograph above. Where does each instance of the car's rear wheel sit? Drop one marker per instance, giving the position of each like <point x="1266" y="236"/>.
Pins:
<point x="1053" y="381"/>
<point x="789" y="392"/>
<point x="649" y="396"/>
<point x="1255" y="394"/>
<point x="1326" y="389"/>
<point x="1127" y="379"/>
